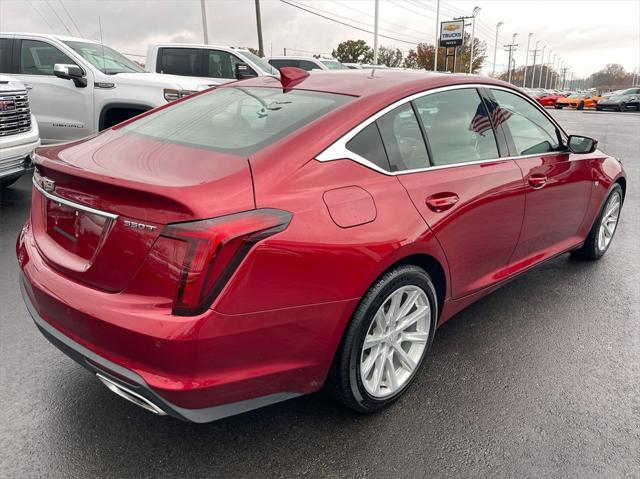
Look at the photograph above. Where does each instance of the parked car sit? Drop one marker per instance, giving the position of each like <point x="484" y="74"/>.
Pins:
<point x="353" y="66"/>
<point x="18" y="131"/>
<point x="579" y="101"/>
<point x="212" y="64"/>
<point x="549" y="98"/>
<point x="626" y="99"/>
<point x="307" y="63"/>
<point x="78" y="87"/>
<point x="251" y="243"/>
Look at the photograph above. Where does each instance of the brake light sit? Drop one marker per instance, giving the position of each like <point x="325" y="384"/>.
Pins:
<point x="213" y="249"/>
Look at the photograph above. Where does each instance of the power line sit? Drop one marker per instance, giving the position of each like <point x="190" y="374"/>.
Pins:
<point x="421" y="32"/>
<point x="59" y="18"/>
<point x="42" y="16"/>
<point x="72" y="20"/>
<point x="362" y="23"/>
<point x="345" y="24"/>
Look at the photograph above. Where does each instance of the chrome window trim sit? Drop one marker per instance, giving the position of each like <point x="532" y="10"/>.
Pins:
<point x="71" y="204"/>
<point x="338" y="149"/>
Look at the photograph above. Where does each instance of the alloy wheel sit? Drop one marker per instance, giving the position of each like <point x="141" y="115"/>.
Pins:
<point x="609" y="221"/>
<point x="395" y="342"/>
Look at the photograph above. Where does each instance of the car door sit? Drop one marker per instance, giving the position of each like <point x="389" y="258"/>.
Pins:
<point x="468" y="194"/>
<point x="221" y="66"/>
<point x="63" y="110"/>
<point x="557" y="183"/>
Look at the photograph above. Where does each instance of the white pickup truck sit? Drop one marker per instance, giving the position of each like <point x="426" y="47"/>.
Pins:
<point x="212" y="64"/>
<point x="18" y="131"/>
<point x="78" y="87"/>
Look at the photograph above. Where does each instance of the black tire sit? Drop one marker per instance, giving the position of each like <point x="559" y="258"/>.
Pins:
<point x="599" y="108"/>
<point x="344" y="382"/>
<point x="6" y="183"/>
<point x="558" y="107"/>
<point x="590" y="249"/>
<point x="622" y="107"/>
<point x="580" y="106"/>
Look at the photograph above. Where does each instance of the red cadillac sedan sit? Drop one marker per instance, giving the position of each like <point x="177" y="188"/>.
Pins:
<point x="271" y="237"/>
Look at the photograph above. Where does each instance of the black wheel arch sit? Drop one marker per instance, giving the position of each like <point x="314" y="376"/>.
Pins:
<point x="130" y="106"/>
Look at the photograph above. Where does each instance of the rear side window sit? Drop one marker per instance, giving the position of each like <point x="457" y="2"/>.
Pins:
<point x="458" y="126"/>
<point x="279" y="63"/>
<point x="532" y="132"/>
<point x="403" y="139"/>
<point x="236" y="120"/>
<point x="38" y="58"/>
<point x="368" y="144"/>
<point x="5" y="55"/>
<point x="180" y="61"/>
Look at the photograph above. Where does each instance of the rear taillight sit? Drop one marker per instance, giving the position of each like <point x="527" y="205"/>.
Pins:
<point x="213" y="249"/>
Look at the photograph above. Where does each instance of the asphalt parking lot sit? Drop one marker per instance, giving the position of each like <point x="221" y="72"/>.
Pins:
<point x="540" y="379"/>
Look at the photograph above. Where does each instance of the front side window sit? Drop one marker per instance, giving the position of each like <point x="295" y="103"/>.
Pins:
<point x="38" y="58"/>
<point x="222" y="64"/>
<point x="105" y="59"/>
<point x="308" y="65"/>
<point x="531" y="130"/>
<point x="403" y="139"/>
<point x="5" y="55"/>
<point x="260" y="62"/>
<point x="180" y="61"/>
<point x="236" y="120"/>
<point x="458" y="126"/>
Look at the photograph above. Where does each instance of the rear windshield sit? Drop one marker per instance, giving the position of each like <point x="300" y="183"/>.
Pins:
<point x="236" y="120"/>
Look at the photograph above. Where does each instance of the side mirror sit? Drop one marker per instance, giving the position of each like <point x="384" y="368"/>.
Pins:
<point x="581" y="144"/>
<point x="243" y="72"/>
<point x="70" y="72"/>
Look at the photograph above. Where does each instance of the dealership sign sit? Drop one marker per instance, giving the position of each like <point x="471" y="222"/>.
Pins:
<point x="451" y="33"/>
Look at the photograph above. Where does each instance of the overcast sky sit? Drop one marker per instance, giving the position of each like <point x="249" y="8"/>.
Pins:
<point x="587" y="34"/>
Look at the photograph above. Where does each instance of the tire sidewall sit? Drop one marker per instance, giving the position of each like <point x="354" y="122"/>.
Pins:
<point x="597" y="252"/>
<point x="404" y="276"/>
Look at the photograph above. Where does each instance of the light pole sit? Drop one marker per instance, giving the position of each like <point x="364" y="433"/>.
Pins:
<point x="541" y="64"/>
<point x="512" y="47"/>
<point x="546" y="77"/>
<point x="204" y="22"/>
<point x="495" y="49"/>
<point x="526" y="61"/>
<point x="476" y="10"/>
<point x="533" y="73"/>
<point x="437" y="43"/>
<point x="375" y="34"/>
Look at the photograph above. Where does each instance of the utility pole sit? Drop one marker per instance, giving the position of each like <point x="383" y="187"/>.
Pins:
<point x="437" y="42"/>
<point x="204" y="22"/>
<point x="526" y="61"/>
<point x="476" y="10"/>
<point x="535" y="55"/>
<point x="495" y="49"/>
<point x="546" y="78"/>
<point x="510" y="48"/>
<point x="541" y="65"/>
<point x="259" y="25"/>
<point x="375" y="34"/>
<point x="564" y="75"/>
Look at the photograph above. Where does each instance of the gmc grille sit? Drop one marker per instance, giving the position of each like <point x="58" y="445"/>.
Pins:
<point x="15" y="115"/>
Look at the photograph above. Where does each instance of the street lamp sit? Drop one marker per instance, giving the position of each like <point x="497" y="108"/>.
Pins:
<point x="511" y="47"/>
<point x="476" y="10"/>
<point x="541" y="64"/>
<point x="546" y="77"/>
<point x="526" y="61"/>
<point x="495" y="49"/>
<point x="535" y="54"/>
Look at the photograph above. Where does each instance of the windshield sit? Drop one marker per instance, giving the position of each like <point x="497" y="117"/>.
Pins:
<point x="333" y="65"/>
<point x="236" y="120"/>
<point x="260" y="62"/>
<point x="105" y="59"/>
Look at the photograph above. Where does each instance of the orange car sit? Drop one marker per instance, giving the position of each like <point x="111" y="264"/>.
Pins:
<point x="578" y="101"/>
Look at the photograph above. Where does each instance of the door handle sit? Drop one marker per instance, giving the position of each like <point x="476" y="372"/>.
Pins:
<point x="442" y="201"/>
<point x="537" y="180"/>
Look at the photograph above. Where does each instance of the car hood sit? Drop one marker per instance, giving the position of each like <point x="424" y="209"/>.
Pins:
<point x="162" y="80"/>
<point x="615" y="98"/>
<point x="8" y="83"/>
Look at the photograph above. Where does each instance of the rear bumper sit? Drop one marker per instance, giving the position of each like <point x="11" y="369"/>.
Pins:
<point x="197" y="368"/>
<point x="128" y="381"/>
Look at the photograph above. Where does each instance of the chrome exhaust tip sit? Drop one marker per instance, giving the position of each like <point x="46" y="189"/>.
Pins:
<point x="131" y="396"/>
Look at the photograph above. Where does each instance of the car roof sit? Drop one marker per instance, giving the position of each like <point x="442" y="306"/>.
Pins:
<point x="200" y="45"/>
<point x="376" y="82"/>
<point x="63" y="38"/>
<point x="292" y="57"/>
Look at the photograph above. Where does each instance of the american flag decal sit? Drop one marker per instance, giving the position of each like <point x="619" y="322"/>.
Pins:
<point x="481" y="122"/>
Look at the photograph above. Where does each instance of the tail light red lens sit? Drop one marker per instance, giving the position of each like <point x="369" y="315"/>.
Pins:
<point x="213" y="249"/>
